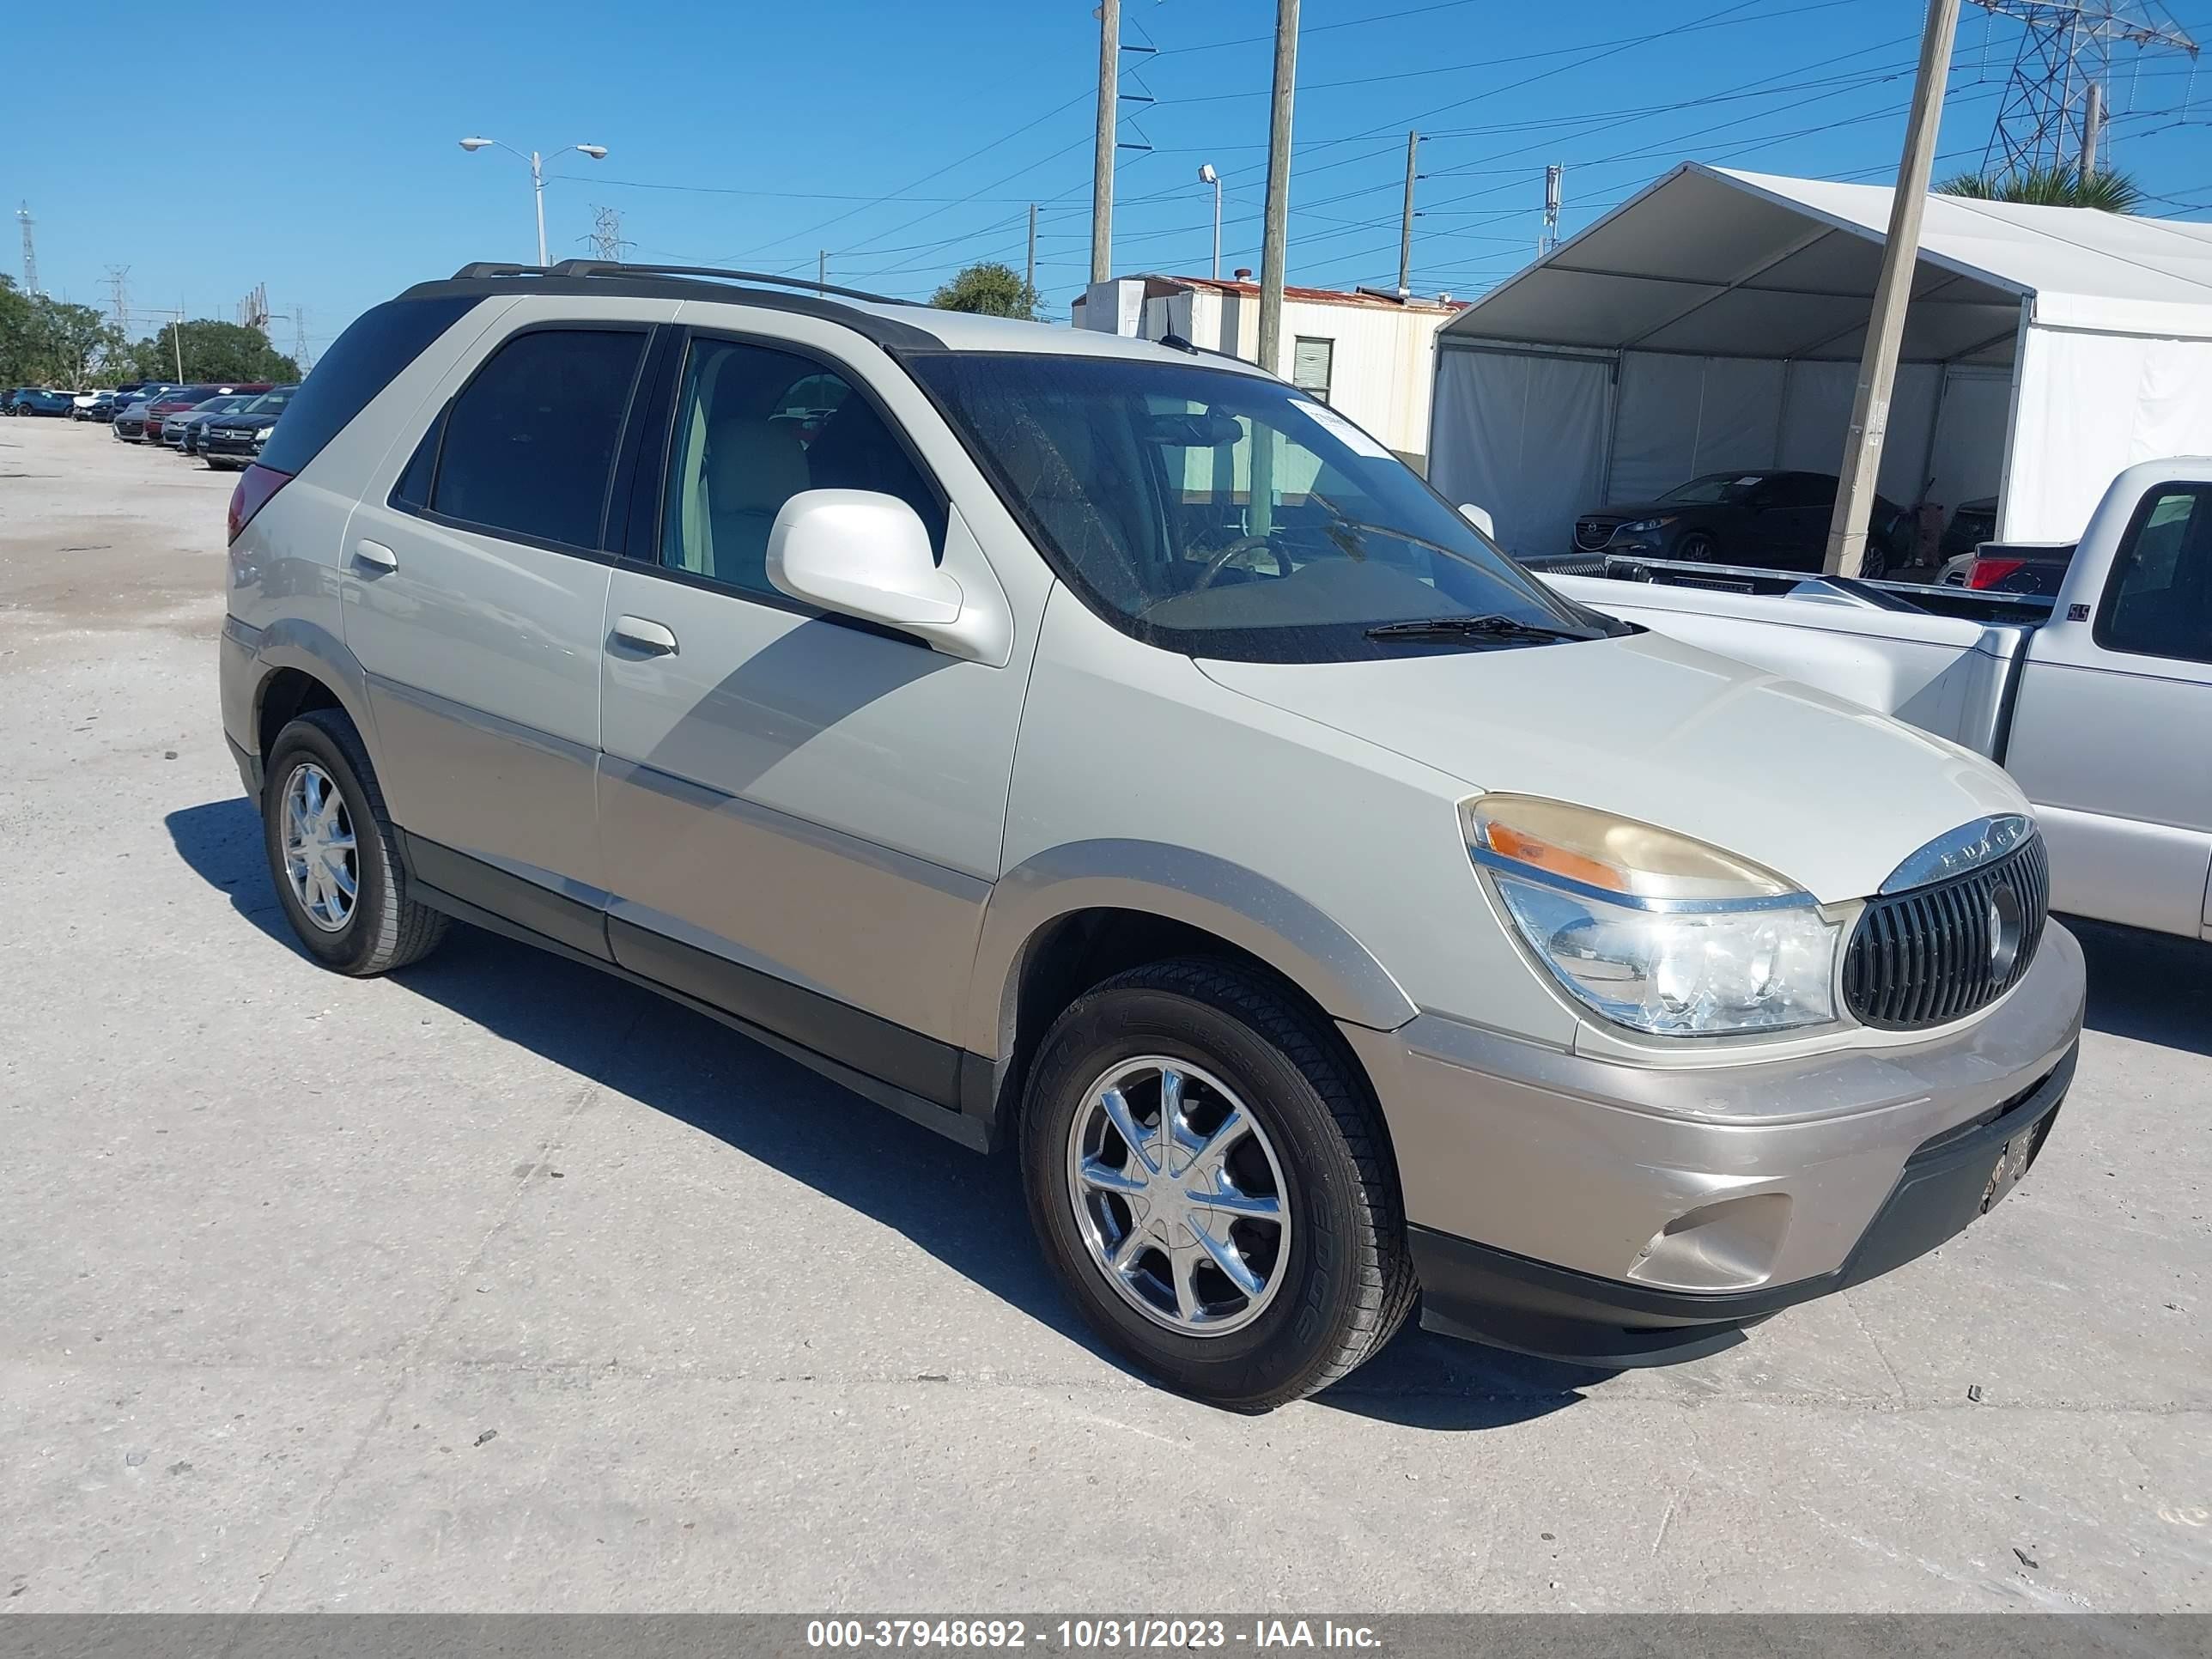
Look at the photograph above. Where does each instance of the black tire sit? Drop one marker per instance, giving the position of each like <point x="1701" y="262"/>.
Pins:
<point x="386" y="929"/>
<point x="1348" y="1283"/>
<point x="1696" y="548"/>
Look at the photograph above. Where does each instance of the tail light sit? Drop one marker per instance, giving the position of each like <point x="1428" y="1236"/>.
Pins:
<point x="1988" y="573"/>
<point x="257" y="486"/>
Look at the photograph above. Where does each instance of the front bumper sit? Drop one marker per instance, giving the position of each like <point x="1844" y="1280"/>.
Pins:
<point x="236" y="449"/>
<point x="1589" y="1209"/>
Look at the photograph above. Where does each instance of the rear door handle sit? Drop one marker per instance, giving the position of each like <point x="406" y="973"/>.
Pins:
<point x="646" y="635"/>
<point x="376" y="554"/>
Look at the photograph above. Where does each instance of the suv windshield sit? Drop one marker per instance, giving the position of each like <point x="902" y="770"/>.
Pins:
<point x="1714" y="487"/>
<point x="1220" y="513"/>
<point x="269" y="403"/>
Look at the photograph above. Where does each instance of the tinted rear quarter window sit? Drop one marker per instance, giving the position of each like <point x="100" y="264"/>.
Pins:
<point x="530" y="442"/>
<point x="361" y="362"/>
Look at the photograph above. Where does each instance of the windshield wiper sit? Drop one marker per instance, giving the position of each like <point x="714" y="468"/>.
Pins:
<point x="1490" y="626"/>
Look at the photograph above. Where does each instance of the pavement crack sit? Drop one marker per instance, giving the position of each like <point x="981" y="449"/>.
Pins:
<point x="410" y="1360"/>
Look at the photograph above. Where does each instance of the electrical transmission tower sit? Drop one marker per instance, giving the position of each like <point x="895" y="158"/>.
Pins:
<point x="2048" y="116"/>
<point x="606" y="237"/>
<point x="30" y="251"/>
<point x="119" y="295"/>
<point x="299" y="336"/>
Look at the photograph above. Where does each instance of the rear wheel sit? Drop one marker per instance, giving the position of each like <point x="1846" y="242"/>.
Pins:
<point x="333" y="853"/>
<point x="1209" y="1177"/>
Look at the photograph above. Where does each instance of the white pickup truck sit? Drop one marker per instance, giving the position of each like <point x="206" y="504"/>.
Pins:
<point x="2100" y="707"/>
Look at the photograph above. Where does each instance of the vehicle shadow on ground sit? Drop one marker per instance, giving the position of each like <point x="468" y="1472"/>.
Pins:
<point x="966" y="1211"/>
<point x="2154" y="987"/>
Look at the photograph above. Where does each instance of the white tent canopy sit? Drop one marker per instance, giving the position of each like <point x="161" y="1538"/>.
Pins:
<point x="1715" y="321"/>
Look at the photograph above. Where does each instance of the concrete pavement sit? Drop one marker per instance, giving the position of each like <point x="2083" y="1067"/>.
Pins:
<point x="497" y="1284"/>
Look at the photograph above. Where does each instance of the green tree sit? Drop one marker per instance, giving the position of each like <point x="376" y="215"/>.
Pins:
<point x="68" y="340"/>
<point x="15" y="336"/>
<point x="211" y="351"/>
<point x="2050" y="186"/>
<point x="992" y="289"/>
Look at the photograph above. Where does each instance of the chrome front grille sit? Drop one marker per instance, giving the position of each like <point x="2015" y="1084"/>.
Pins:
<point x="1932" y="954"/>
<point x="1591" y="534"/>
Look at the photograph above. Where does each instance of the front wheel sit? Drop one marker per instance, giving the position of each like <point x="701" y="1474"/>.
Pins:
<point x="334" y="855"/>
<point x="1696" y="548"/>
<point x="1211" y="1180"/>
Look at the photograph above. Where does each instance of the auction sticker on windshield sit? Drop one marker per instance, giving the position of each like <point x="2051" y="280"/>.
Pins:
<point x="1343" y="430"/>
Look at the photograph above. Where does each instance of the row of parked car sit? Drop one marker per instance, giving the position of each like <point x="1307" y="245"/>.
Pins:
<point x="223" y="424"/>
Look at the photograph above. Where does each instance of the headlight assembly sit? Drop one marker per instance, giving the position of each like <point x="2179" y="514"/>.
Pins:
<point x="1643" y="526"/>
<point x="1651" y="929"/>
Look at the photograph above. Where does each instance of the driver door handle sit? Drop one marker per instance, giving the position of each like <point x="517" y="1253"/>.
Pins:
<point x="643" y="634"/>
<point x="375" y="554"/>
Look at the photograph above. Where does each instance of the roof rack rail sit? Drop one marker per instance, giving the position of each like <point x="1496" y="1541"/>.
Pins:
<point x="610" y="267"/>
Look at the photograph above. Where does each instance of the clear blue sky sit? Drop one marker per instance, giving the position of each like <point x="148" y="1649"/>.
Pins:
<point x="755" y="134"/>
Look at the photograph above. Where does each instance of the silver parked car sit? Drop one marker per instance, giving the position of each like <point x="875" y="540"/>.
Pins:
<point x="1097" y="747"/>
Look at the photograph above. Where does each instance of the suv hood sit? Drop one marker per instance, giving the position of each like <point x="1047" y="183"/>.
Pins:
<point x="1827" y="794"/>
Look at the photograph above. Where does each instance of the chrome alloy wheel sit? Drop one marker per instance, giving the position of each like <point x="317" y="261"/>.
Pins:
<point x="1180" y="1196"/>
<point x="319" y="858"/>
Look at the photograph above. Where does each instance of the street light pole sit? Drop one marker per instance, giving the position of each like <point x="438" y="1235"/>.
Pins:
<point x="1206" y="175"/>
<point x="597" y="152"/>
<point x="537" y="194"/>
<point x="1893" y="293"/>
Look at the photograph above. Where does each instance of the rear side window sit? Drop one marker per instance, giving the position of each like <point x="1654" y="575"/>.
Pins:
<point x="529" y="443"/>
<point x="361" y="362"/>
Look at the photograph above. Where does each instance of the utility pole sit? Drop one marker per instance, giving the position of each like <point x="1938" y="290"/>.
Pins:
<point x="1275" y="230"/>
<point x="30" y="251"/>
<point x="2093" y="129"/>
<point x="177" y="340"/>
<point x="1901" y="255"/>
<point x="1109" y="122"/>
<point x="821" y="269"/>
<point x="1406" y="221"/>
<point x="1554" y="185"/>
<point x="1274" y="236"/>
<point x="1029" y="270"/>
